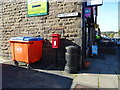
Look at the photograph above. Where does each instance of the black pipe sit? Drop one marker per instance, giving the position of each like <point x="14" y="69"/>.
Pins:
<point x="83" y="32"/>
<point x="56" y="61"/>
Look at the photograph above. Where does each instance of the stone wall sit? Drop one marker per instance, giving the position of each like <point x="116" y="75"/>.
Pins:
<point x="14" y="22"/>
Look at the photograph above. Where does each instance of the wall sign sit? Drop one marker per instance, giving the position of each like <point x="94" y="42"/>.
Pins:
<point x="94" y="2"/>
<point x="69" y="14"/>
<point x="88" y="12"/>
<point x="94" y="49"/>
<point x="37" y="7"/>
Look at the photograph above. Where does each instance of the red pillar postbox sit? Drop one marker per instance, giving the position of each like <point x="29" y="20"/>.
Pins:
<point x="55" y="40"/>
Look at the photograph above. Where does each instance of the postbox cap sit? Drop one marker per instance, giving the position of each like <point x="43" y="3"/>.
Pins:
<point x="55" y="35"/>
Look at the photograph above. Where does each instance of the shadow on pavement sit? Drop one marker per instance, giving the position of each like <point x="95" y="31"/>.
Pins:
<point x="44" y="65"/>
<point x="106" y="62"/>
<point x="18" y="77"/>
<point x="41" y="64"/>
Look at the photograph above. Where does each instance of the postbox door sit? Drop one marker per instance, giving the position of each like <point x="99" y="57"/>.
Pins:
<point x="55" y="41"/>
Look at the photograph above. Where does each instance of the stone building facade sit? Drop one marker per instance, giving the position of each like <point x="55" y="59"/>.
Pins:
<point x="14" y="22"/>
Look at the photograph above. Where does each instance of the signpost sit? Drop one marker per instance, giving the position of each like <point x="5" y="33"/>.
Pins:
<point x="37" y="7"/>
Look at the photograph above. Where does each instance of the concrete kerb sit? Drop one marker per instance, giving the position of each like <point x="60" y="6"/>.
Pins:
<point x="87" y="80"/>
<point x="87" y="86"/>
<point x="108" y="81"/>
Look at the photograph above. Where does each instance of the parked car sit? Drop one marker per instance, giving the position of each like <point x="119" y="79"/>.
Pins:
<point x="118" y="43"/>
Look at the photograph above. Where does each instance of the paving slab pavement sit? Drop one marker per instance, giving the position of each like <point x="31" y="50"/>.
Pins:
<point x="90" y="80"/>
<point x="108" y="81"/>
<point x="103" y="72"/>
<point x="96" y="80"/>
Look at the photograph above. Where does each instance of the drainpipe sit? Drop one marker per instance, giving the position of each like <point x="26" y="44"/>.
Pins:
<point x="83" y="32"/>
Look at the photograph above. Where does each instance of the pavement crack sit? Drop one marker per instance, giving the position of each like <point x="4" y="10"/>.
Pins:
<point x="98" y="82"/>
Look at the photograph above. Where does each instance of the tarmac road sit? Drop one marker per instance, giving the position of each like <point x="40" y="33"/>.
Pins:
<point x="17" y="77"/>
<point x="118" y="52"/>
